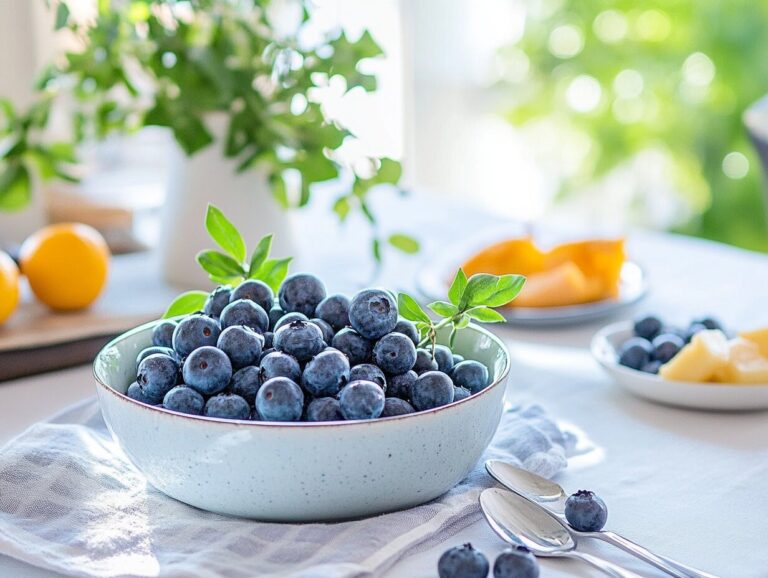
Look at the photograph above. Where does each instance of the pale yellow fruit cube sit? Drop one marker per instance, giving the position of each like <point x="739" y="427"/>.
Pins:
<point x="759" y="337"/>
<point x="699" y="361"/>
<point x="746" y="364"/>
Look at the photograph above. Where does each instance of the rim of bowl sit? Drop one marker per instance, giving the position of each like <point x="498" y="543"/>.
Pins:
<point x="299" y="424"/>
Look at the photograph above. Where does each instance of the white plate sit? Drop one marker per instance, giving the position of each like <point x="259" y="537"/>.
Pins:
<point x="717" y="396"/>
<point x="434" y="279"/>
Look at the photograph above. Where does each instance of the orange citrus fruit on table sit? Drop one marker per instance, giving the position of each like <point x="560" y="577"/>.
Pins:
<point x="66" y="265"/>
<point x="9" y="286"/>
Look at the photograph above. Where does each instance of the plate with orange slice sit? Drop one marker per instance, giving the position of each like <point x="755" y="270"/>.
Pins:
<point x="566" y="283"/>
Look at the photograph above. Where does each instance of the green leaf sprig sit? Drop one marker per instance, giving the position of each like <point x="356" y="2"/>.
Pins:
<point x="232" y="266"/>
<point x="468" y="299"/>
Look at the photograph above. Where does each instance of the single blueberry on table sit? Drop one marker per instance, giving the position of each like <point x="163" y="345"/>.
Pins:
<point x="255" y="290"/>
<point x="462" y="562"/>
<point x="208" y="370"/>
<point x="193" y="332"/>
<point x="516" y="562"/>
<point x="326" y="373"/>
<point x="227" y="406"/>
<point x="279" y="364"/>
<point x="245" y="312"/>
<point x="361" y="400"/>
<point x="444" y="358"/>
<point x="431" y="389"/>
<point x="666" y="346"/>
<point x="289" y="318"/>
<point x="162" y="334"/>
<point x="356" y="347"/>
<point x="155" y="350"/>
<point x="373" y="313"/>
<point x="424" y="361"/>
<point x="301" y="339"/>
<point x="334" y="310"/>
<point x="635" y="352"/>
<point x="301" y="292"/>
<point x="709" y="322"/>
<point x="407" y="328"/>
<point x="460" y="393"/>
<point x="274" y="316"/>
<point x="400" y="385"/>
<point x="325" y="327"/>
<point x="217" y="301"/>
<point x="369" y="372"/>
<point x="135" y="392"/>
<point x="184" y="399"/>
<point x="395" y="353"/>
<point x="471" y="375"/>
<point x="651" y="367"/>
<point x="242" y="345"/>
<point x="245" y="383"/>
<point x="395" y="406"/>
<point x="648" y="327"/>
<point x="324" y="409"/>
<point x="586" y="511"/>
<point x="280" y="399"/>
<point x="157" y="374"/>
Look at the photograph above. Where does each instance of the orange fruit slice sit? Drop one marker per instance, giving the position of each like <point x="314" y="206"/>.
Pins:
<point x="9" y="286"/>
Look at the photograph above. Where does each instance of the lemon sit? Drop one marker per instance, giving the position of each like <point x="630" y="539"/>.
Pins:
<point x="9" y="286"/>
<point x="66" y="265"/>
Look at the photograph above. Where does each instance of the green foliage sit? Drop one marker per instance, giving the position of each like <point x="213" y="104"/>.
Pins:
<point x="669" y="100"/>
<point x="186" y="303"/>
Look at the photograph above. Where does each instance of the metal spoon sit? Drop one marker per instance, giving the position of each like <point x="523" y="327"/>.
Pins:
<point x="551" y="496"/>
<point x="520" y="521"/>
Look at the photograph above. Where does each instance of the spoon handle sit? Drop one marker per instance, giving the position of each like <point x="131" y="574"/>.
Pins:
<point x="607" y="567"/>
<point x="668" y="565"/>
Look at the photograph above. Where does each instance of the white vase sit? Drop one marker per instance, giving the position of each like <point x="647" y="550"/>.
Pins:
<point x="245" y="198"/>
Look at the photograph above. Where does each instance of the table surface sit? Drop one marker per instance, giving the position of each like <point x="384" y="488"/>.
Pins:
<point x="687" y="484"/>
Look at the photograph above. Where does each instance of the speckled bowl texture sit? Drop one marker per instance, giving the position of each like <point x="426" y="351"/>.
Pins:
<point x="302" y="471"/>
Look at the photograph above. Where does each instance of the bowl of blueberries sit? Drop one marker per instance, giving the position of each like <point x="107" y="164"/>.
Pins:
<point x="301" y="406"/>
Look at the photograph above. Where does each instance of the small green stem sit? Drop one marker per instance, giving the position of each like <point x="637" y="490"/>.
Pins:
<point x="432" y="334"/>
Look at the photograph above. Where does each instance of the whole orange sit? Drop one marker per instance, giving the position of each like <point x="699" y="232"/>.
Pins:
<point x="66" y="265"/>
<point x="9" y="286"/>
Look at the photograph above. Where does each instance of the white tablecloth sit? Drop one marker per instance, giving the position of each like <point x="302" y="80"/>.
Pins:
<point x="688" y="484"/>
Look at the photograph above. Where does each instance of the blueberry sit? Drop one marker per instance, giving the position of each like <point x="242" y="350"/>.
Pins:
<point x="648" y="327"/>
<point x="162" y="334"/>
<point x="157" y="374"/>
<point x="471" y="375"/>
<point x="324" y="409"/>
<point x="267" y="352"/>
<point x="242" y="345"/>
<point x="245" y="312"/>
<point x="424" y="361"/>
<point x="460" y="393"/>
<point x="301" y="292"/>
<point x="400" y="385"/>
<point x="245" y="383"/>
<point x="269" y="339"/>
<point x="274" y="316"/>
<point x="356" y="347"/>
<point x="325" y="327"/>
<point x="334" y="310"/>
<point x="280" y="399"/>
<point x="457" y="358"/>
<point x="431" y="389"/>
<point x="369" y="372"/>
<point x="326" y="373"/>
<point x="666" y="346"/>
<point x="193" y="332"/>
<point x="153" y="351"/>
<point x="692" y="330"/>
<point x="394" y="353"/>
<point x="396" y="406"/>
<point x="586" y="511"/>
<point x="208" y="370"/>
<point x="444" y="358"/>
<point x="635" y="352"/>
<point x="462" y="562"/>
<point x="255" y="290"/>
<point x="301" y="339"/>
<point x="289" y="318"/>
<point x="516" y="562"/>
<point x="184" y="399"/>
<point x="373" y="313"/>
<point x="651" y="367"/>
<point x="279" y="364"/>
<point x="361" y="400"/>
<point x="227" y="406"/>
<point x="136" y="392"/>
<point x="217" y="301"/>
<point x="709" y="322"/>
<point x="407" y="328"/>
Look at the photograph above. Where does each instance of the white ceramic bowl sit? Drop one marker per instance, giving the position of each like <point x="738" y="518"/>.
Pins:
<point x="302" y="471"/>
<point x="713" y="396"/>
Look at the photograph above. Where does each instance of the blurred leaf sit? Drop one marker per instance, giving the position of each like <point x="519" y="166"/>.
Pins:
<point x="376" y="250"/>
<point x="62" y="15"/>
<point x="341" y="208"/>
<point x="15" y="187"/>
<point x="404" y="243"/>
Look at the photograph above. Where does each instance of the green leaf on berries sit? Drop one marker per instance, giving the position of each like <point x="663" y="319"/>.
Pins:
<point x="260" y="253"/>
<point x="186" y="303"/>
<point x="491" y="290"/>
<point x="457" y="287"/>
<point x="273" y="272"/>
<point x="225" y="233"/>
<point x="485" y="314"/>
<point x="410" y="309"/>
<point x="219" y="265"/>
<point x="443" y="308"/>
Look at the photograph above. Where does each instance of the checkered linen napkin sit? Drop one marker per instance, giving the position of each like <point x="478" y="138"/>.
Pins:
<point x="70" y="501"/>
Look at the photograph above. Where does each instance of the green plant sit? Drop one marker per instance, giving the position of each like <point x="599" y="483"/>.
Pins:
<point x="672" y="76"/>
<point x="174" y="63"/>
